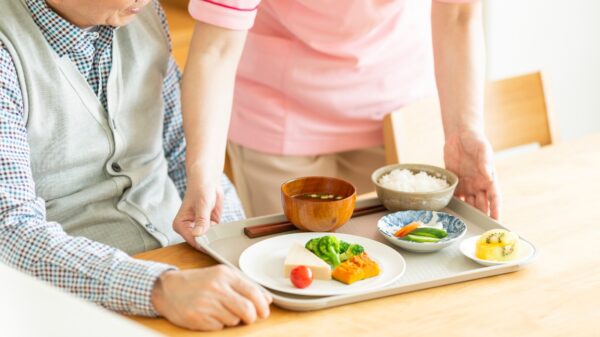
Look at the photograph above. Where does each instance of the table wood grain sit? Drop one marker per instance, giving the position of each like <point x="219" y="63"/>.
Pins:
<point x="551" y="197"/>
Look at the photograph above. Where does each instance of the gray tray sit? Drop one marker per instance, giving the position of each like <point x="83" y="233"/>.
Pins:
<point x="226" y="243"/>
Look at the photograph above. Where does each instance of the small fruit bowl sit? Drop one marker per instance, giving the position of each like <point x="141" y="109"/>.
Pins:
<point x="391" y="223"/>
<point x="318" y="204"/>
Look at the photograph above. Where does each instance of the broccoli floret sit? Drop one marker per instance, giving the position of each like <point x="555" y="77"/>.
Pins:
<point x="343" y="246"/>
<point x="312" y="245"/>
<point x="324" y="247"/>
<point x="353" y="250"/>
<point x="329" y="247"/>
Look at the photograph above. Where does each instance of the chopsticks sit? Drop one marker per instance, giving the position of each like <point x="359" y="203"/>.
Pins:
<point x="286" y="226"/>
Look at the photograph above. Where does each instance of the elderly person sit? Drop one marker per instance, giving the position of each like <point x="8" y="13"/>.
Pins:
<point x="92" y="161"/>
<point x="315" y="80"/>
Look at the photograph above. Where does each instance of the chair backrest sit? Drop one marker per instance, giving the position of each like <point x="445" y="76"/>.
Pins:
<point x="515" y="114"/>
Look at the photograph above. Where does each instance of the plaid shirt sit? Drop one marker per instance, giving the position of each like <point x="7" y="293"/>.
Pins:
<point x="89" y="269"/>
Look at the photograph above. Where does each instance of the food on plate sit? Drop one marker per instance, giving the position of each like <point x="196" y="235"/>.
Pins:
<point x="332" y="250"/>
<point x="430" y="232"/>
<point x="420" y="239"/>
<point x="407" y="229"/>
<point x="326" y="248"/>
<point x="351" y="250"/>
<point x="358" y="267"/>
<point x="406" y="181"/>
<point x="426" y="234"/>
<point x="497" y="245"/>
<point x="349" y="261"/>
<point x="301" y="277"/>
<point x="300" y="256"/>
<point x="420" y="232"/>
<point x="318" y="196"/>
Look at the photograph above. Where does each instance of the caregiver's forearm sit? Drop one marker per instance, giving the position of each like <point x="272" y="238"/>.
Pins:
<point x="207" y="95"/>
<point x="459" y="53"/>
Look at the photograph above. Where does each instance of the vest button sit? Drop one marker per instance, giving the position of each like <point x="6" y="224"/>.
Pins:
<point x="115" y="167"/>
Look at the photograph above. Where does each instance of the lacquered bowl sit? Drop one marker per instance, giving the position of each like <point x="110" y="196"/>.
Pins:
<point x="395" y="200"/>
<point x="318" y="215"/>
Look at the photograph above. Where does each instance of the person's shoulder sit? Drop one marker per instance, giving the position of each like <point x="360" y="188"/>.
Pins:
<point x="3" y="49"/>
<point x="160" y="11"/>
<point x="7" y="65"/>
<point x="163" y="19"/>
<point x="10" y="89"/>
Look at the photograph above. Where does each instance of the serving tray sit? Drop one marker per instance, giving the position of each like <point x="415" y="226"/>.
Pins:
<point x="226" y="243"/>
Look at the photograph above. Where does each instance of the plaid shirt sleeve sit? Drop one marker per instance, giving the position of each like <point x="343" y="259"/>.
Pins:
<point x="174" y="140"/>
<point x="91" y="270"/>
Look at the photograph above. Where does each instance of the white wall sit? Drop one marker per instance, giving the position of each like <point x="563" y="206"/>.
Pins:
<point x="562" y="39"/>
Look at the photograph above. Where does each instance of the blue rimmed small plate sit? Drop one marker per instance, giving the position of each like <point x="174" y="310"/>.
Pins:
<point x="391" y="223"/>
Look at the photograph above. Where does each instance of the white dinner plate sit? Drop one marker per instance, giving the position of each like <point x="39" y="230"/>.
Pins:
<point x="263" y="263"/>
<point x="467" y="247"/>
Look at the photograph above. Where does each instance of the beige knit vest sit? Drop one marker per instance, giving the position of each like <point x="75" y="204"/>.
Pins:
<point x="103" y="175"/>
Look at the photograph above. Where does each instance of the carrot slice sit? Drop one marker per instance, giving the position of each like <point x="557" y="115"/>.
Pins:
<point x="402" y="232"/>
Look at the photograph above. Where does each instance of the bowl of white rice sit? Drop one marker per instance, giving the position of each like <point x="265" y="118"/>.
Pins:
<point x="414" y="186"/>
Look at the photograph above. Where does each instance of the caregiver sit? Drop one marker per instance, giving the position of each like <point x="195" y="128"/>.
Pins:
<point x="314" y="82"/>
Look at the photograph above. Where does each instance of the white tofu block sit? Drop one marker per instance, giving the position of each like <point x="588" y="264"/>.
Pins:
<point x="300" y="256"/>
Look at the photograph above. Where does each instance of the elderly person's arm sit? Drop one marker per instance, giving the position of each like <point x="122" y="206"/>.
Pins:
<point x="208" y="298"/>
<point x="204" y="299"/>
<point x="30" y="243"/>
<point x="207" y="96"/>
<point x="459" y="66"/>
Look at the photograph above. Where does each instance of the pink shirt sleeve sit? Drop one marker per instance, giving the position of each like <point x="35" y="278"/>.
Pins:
<point x="231" y="14"/>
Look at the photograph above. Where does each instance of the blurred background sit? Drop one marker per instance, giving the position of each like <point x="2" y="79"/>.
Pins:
<point x="562" y="40"/>
<point x="557" y="37"/>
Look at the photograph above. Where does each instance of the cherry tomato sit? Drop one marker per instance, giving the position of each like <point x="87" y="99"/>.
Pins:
<point x="301" y="277"/>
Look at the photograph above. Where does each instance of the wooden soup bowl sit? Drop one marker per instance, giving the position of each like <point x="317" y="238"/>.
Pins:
<point x="318" y="215"/>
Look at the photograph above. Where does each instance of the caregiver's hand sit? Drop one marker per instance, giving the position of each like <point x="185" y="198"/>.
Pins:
<point x="209" y="298"/>
<point x="206" y="100"/>
<point x="201" y="207"/>
<point x="470" y="156"/>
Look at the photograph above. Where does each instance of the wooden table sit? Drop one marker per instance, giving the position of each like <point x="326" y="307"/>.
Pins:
<point x="551" y="196"/>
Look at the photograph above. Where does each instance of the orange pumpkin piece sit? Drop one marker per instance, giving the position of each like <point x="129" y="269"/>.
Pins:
<point x="356" y="268"/>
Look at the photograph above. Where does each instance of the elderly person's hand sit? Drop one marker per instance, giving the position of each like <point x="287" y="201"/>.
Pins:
<point x="470" y="156"/>
<point x="209" y="298"/>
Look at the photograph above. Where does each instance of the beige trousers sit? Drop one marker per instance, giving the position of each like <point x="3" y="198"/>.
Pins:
<point x="258" y="176"/>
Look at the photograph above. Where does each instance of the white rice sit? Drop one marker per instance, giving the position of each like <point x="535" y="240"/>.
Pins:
<point x="406" y="181"/>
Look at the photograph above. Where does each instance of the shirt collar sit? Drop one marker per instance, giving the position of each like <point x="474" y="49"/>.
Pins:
<point x="60" y="33"/>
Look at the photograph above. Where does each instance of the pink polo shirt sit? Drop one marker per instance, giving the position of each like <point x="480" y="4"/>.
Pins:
<point x="318" y="76"/>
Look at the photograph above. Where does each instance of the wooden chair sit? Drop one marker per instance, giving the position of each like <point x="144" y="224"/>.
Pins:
<point x="515" y="114"/>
